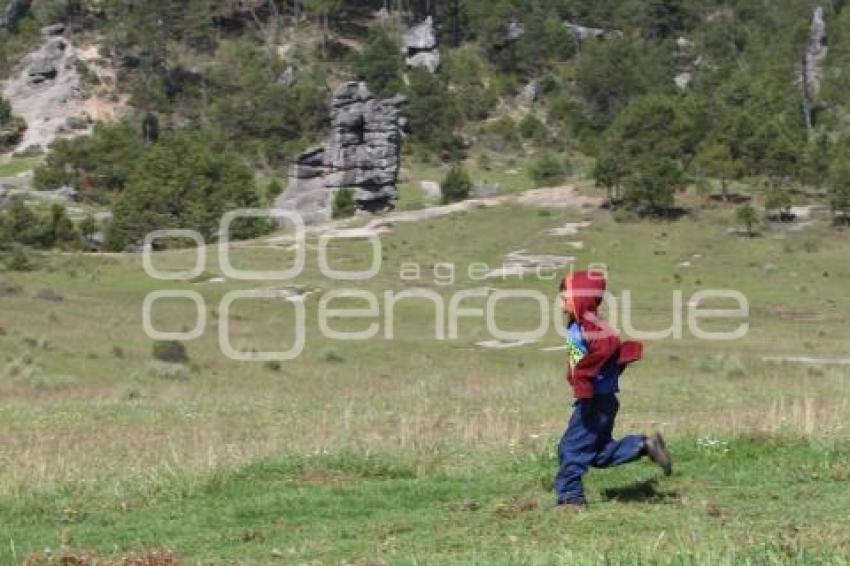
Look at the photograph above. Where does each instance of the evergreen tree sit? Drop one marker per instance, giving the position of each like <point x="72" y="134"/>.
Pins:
<point x="380" y="63"/>
<point x="184" y="182"/>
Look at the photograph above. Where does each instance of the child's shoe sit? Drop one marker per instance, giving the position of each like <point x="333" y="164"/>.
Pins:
<point x="656" y="449"/>
<point x="572" y="506"/>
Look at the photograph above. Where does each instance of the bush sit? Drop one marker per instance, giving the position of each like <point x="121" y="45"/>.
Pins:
<point x="548" y="169"/>
<point x="531" y="128"/>
<point x="379" y="63"/>
<point x="330" y="355"/>
<point x="343" y="204"/>
<point x="747" y="215"/>
<point x="184" y="181"/>
<point x="457" y="185"/>
<point x="501" y="135"/>
<point x="170" y="351"/>
<point x="94" y="165"/>
<point x="12" y="127"/>
<point x="18" y="259"/>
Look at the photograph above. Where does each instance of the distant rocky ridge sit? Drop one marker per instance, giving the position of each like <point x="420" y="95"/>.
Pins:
<point x="362" y="155"/>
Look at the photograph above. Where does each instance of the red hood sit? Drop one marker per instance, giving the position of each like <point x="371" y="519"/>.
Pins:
<point x="585" y="290"/>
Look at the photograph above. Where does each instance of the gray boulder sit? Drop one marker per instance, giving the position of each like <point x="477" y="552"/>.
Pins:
<point x="515" y="31"/>
<point x="362" y="154"/>
<point x="287" y="78"/>
<point x="420" y="46"/>
<point x="811" y="73"/>
<point x="529" y="93"/>
<point x="53" y="29"/>
<point x="46" y="66"/>
<point x="584" y="32"/>
<point x="429" y="60"/>
<point x="421" y="37"/>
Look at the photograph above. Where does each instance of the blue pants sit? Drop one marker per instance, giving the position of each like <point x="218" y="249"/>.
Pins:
<point x="588" y="442"/>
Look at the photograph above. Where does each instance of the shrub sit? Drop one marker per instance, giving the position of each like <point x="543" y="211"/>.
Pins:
<point x="18" y="259"/>
<point x="531" y="128"/>
<point x="330" y="355"/>
<point x="170" y="351"/>
<point x="184" y="181"/>
<point x="343" y="204"/>
<point x="548" y="169"/>
<point x="456" y="185"/>
<point x="747" y="215"/>
<point x="379" y="63"/>
<point x="501" y="135"/>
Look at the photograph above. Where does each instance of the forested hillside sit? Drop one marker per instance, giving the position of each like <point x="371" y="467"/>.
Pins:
<point x="663" y="94"/>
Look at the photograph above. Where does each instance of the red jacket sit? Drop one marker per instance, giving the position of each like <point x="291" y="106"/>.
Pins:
<point x="584" y="292"/>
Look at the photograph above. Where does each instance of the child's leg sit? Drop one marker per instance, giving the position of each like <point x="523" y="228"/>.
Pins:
<point x="614" y="452"/>
<point x="576" y="451"/>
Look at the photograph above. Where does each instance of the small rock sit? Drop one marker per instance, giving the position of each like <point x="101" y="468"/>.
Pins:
<point x="54" y="29"/>
<point x="529" y="93"/>
<point x="485" y="190"/>
<point x="683" y="80"/>
<point x="431" y="189"/>
<point x="287" y="78"/>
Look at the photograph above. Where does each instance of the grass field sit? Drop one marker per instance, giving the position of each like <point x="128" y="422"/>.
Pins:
<point x="419" y="450"/>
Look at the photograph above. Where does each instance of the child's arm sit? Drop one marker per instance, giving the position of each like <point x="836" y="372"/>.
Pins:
<point x="630" y="351"/>
<point x="602" y="343"/>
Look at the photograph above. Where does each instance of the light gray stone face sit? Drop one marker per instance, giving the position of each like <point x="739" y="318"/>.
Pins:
<point x="421" y="37"/>
<point x="362" y="154"/>
<point x="421" y="46"/>
<point x="812" y="68"/>
<point x="429" y="60"/>
<point x="287" y="78"/>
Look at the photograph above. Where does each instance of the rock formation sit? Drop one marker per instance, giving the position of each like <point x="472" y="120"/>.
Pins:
<point x="812" y="71"/>
<point x="583" y="32"/>
<point x="49" y="93"/>
<point x="688" y="63"/>
<point x="362" y="155"/>
<point x="287" y="78"/>
<point x="420" y="46"/>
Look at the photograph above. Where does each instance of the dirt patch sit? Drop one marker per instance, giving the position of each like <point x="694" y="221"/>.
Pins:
<point x="520" y="262"/>
<point x="558" y="197"/>
<point x="513" y="509"/>
<point x="76" y="557"/>
<point x="324" y="477"/>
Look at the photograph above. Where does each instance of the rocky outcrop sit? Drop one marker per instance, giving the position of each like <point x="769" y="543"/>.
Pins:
<point x="421" y="46"/>
<point x="287" y="78"/>
<point x="688" y="63"/>
<point x="583" y="32"/>
<point x="529" y="94"/>
<point x="362" y="155"/>
<point x="55" y="92"/>
<point x="812" y="66"/>
<point x="47" y="92"/>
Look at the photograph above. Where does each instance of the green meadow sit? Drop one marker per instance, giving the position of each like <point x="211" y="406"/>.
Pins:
<point x="419" y="450"/>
